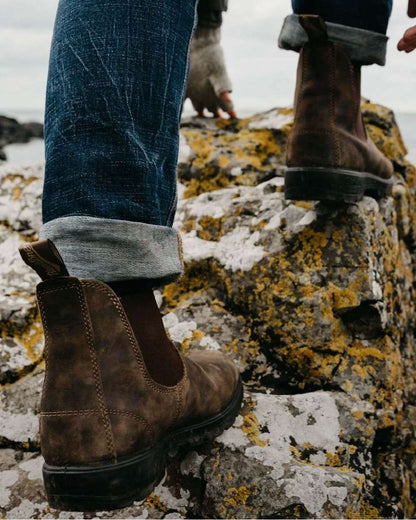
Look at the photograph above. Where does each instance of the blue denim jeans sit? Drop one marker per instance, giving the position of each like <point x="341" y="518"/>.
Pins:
<point x="358" y="25"/>
<point x="371" y="15"/>
<point x="115" y="91"/>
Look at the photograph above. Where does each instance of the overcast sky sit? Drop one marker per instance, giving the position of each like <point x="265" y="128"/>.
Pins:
<point x="263" y="75"/>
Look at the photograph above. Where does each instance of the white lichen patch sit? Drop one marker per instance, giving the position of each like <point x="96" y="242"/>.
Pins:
<point x="33" y="468"/>
<point x="236" y="171"/>
<point x="17" y="281"/>
<point x="307" y="418"/>
<point x="16" y="359"/>
<point x="7" y="479"/>
<point x="185" y="150"/>
<point x="237" y="250"/>
<point x="276" y="431"/>
<point x="181" y="331"/>
<point x="208" y="204"/>
<point x="20" y="197"/>
<point x="18" y="427"/>
<point x="27" y="509"/>
<point x="69" y="515"/>
<point x="234" y="438"/>
<point x="169" y="500"/>
<point x="273" y="120"/>
<point x="314" y="487"/>
<point x="210" y="343"/>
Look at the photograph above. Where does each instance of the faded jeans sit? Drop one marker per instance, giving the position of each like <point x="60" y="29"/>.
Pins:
<point x="360" y="26"/>
<point x="116" y="83"/>
<point x="115" y="92"/>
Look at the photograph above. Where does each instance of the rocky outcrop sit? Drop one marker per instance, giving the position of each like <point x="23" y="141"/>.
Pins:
<point x="315" y="302"/>
<point x="11" y="131"/>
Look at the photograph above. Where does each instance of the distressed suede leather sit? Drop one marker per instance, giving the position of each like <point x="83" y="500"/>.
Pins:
<point x="215" y="375"/>
<point x="99" y="402"/>
<point x="328" y="129"/>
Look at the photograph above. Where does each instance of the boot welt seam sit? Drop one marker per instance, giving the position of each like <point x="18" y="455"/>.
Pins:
<point x="136" y="349"/>
<point x="74" y="413"/>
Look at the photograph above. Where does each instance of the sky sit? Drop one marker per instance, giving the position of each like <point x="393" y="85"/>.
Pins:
<point x="263" y="76"/>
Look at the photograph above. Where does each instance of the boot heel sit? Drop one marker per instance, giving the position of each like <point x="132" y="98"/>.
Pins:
<point x="105" y="487"/>
<point x="333" y="184"/>
<point x="113" y="486"/>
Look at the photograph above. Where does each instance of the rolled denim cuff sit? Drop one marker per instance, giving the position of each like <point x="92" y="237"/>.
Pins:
<point x="364" y="47"/>
<point x="116" y="250"/>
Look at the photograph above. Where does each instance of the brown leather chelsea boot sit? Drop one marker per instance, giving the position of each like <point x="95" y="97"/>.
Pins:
<point x="106" y="424"/>
<point x="330" y="156"/>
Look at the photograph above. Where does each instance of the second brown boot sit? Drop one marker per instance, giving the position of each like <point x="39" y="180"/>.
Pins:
<point x="109" y="415"/>
<point x="330" y="156"/>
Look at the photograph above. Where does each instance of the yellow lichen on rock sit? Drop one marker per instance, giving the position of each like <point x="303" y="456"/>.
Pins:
<point x="329" y="297"/>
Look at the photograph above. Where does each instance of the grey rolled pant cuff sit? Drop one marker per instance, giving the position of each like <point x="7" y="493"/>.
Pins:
<point x="116" y="250"/>
<point x="364" y="47"/>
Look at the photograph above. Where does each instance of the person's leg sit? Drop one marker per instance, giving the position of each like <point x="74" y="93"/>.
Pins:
<point x="360" y="27"/>
<point x="371" y="15"/>
<point x="115" y="89"/>
<point x="330" y="156"/>
<point x="116" y="84"/>
<point x="117" y="393"/>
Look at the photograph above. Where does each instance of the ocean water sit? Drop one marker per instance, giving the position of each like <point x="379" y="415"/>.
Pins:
<point x="25" y="153"/>
<point x="34" y="150"/>
<point x="407" y="125"/>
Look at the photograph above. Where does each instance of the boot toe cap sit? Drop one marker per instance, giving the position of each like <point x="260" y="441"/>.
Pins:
<point x="214" y="376"/>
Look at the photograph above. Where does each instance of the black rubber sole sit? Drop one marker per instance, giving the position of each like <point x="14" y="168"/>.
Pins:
<point x="113" y="486"/>
<point x="334" y="184"/>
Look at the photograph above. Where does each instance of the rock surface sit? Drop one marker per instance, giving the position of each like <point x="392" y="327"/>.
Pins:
<point x="315" y="303"/>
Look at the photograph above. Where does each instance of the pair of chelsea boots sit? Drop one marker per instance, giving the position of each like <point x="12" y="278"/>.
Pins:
<point x="106" y="424"/>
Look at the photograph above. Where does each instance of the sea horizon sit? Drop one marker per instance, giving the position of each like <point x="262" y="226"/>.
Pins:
<point x="25" y="153"/>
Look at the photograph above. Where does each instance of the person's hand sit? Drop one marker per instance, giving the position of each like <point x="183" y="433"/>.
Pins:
<point x="408" y="42"/>
<point x="209" y="85"/>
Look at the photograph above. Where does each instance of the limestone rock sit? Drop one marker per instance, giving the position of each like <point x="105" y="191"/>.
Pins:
<point x="20" y="198"/>
<point x="326" y="291"/>
<point x="203" y="321"/>
<point x="19" y="406"/>
<point x="315" y="303"/>
<point x="285" y="453"/>
<point x="219" y="154"/>
<point x="20" y="218"/>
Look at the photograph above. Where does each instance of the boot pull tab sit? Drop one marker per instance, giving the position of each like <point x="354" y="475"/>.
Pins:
<point x="314" y="27"/>
<point x="44" y="258"/>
